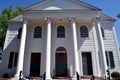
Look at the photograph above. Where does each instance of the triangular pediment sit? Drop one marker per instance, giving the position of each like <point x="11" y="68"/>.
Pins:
<point x="61" y="5"/>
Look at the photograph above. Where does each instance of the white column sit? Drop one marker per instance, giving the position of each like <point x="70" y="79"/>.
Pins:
<point x="74" y="36"/>
<point x="101" y="47"/>
<point x="48" y="49"/>
<point x="21" y="49"/>
<point x="96" y="71"/>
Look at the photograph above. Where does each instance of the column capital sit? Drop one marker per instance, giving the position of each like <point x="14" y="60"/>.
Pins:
<point x="72" y="18"/>
<point x="48" y="18"/>
<point x="24" y="19"/>
<point x="96" y="18"/>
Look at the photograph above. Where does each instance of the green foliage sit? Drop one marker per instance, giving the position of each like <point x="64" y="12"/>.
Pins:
<point x="7" y="14"/>
<point x="118" y="15"/>
<point x="115" y="74"/>
<point x="7" y="75"/>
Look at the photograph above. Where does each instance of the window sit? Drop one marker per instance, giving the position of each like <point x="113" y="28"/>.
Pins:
<point x="13" y="59"/>
<point x="60" y="49"/>
<point x="10" y="60"/>
<point x="87" y="63"/>
<point x="83" y="31"/>
<point x="19" y="33"/>
<point x="38" y="32"/>
<point x="110" y="59"/>
<point x="103" y="34"/>
<point x="61" y="32"/>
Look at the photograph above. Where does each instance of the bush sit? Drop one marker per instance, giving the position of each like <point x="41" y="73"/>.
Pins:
<point x="7" y="75"/>
<point x="0" y="57"/>
<point x="115" y="74"/>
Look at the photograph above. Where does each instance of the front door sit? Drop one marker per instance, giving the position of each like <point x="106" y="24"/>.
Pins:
<point x="61" y="64"/>
<point x="87" y="63"/>
<point x="35" y="64"/>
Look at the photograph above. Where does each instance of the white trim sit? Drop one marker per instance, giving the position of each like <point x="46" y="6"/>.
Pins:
<point x="117" y="47"/>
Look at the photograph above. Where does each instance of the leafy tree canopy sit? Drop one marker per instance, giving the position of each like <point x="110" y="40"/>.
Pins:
<point x="118" y="15"/>
<point x="7" y="14"/>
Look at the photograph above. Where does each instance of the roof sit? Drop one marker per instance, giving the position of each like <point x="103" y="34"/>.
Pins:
<point x="105" y="17"/>
<point x="68" y="4"/>
<point x="57" y="5"/>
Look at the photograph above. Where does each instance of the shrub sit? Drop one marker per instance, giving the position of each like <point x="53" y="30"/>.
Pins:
<point x="115" y="74"/>
<point x="0" y="57"/>
<point x="7" y="75"/>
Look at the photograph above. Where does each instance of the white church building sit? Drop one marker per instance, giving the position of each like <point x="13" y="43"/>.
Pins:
<point x="61" y="38"/>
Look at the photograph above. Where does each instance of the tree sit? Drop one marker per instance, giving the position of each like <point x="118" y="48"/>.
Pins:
<point x="118" y="15"/>
<point x="7" y="14"/>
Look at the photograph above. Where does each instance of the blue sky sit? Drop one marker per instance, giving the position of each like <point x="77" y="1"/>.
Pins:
<point x="109" y="7"/>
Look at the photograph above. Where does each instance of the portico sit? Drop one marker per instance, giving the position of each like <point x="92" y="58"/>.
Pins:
<point x="72" y="23"/>
<point x="61" y="40"/>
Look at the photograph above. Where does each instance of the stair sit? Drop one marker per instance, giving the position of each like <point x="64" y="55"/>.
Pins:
<point x="5" y="79"/>
<point x="61" y="78"/>
<point x="90" y="78"/>
<point x="34" y="78"/>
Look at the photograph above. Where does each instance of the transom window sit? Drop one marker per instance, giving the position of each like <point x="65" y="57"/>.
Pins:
<point x="38" y="32"/>
<point x="60" y="49"/>
<point x="61" y="32"/>
<point x="110" y="59"/>
<point x="83" y="31"/>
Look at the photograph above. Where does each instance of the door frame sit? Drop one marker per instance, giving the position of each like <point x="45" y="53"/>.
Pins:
<point x="35" y="53"/>
<point x="90" y="53"/>
<point x="66" y="65"/>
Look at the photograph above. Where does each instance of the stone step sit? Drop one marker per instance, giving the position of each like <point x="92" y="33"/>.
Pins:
<point x="90" y="78"/>
<point x="34" y="78"/>
<point x="5" y="79"/>
<point x="61" y="78"/>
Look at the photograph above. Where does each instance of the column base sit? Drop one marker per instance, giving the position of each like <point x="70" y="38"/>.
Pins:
<point x="48" y="78"/>
<point x="15" y="78"/>
<point x="74" y="77"/>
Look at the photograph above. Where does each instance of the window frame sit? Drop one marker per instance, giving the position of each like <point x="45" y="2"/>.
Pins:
<point x="37" y="33"/>
<point x="86" y="54"/>
<point x="84" y="34"/>
<point x="102" y="32"/>
<point x="60" y="31"/>
<point x="19" y="33"/>
<point x="110" y="59"/>
<point x="13" y="59"/>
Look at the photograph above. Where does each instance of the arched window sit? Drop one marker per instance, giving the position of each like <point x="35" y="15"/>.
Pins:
<point x="60" y="32"/>
<point x="83" y="31"/>
<point x="103" y="34"/>
<point x="19" y="33"/>
<point x="38" y="32"/>
<point x="60" y="49"/>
